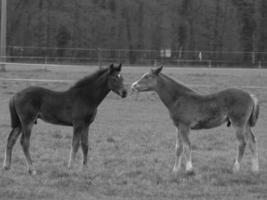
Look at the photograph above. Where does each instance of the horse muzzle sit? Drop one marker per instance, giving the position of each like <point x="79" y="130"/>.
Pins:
<point x="135" y="87"/>
<point x="123" y="93"/>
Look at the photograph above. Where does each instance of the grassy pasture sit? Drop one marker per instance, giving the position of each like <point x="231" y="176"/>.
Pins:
<point x="132" y="144"/>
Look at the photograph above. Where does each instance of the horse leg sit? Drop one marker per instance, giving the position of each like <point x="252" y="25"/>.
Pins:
<point x="188" y="152"/>
<point x="12" y="138"/>
<point x="25" y="143"/>
<point x="184" y="130"/>
<point x="178" y="151"/>
<point x="242" y="140"/>
<point x="84" y="145"/>
<point x="253" y="147"/>
<point x="77" y="129"/>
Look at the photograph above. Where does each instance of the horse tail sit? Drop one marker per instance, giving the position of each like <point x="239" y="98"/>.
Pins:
<point x="14" y="118"/>
<point x="255" y="111"/>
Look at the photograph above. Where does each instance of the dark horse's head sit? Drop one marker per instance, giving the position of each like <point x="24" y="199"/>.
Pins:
<point x="115" y="81"/>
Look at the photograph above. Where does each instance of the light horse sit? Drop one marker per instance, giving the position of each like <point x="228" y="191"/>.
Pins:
<point x="191" y="110"/>
<point x="76" y="107"/>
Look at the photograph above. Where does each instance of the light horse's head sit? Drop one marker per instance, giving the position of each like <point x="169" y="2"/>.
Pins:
<point x="148" y="82"/>
<point x="115" y="81"/>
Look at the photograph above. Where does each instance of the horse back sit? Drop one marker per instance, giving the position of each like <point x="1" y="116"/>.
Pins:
<point x="62" y="108"/>
<point x="211" y="110"/>
<point x="237" y="99"/>
<point x="37" y="102"/>
<point x="35" y="96"/>
<point x="237" y="105"/>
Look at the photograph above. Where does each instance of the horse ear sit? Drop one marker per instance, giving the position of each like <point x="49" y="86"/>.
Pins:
<point x="119" y="67"/>
<point x="158" y="70"/>
<point x="111" y="68"/>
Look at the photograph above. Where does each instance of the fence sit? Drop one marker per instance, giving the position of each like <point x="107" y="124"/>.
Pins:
<point x="136" y="57"/>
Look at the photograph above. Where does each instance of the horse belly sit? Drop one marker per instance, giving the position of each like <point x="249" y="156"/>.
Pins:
<point x="56" y="115"/>
<point x="54" y="119"/>
<point x="208" y="123"/>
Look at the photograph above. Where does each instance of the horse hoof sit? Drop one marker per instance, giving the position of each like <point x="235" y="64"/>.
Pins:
<point x="255" y="171"/>
<point x="6" y="167"/>
<point x="255" y="168"/>
<point x="69" y="166"/>
<point x="236" y="169"/>
<point x="32" y="172"/>
<point x="190" y="173"/>
<point x="175" y="174"/>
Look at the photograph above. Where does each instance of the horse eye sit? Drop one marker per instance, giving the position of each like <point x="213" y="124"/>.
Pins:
<point x="116" y="78"/>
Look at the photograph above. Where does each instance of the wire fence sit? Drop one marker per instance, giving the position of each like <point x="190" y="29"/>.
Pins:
<point x="99" y="56"/>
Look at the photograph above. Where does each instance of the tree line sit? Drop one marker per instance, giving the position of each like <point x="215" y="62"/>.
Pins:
<point x="215" y="27"/>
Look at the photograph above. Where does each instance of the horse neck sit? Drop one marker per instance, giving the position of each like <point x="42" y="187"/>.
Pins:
<point x="169" y="90"/>
<point x="96" y="91"/>
<point x="102" y="91"/>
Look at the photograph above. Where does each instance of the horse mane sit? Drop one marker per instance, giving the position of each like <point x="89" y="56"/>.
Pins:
<point x="89" y="79"/>
<point x="178" y="84"/>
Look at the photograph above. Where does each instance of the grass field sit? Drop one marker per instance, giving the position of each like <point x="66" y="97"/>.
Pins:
<point x="132" y="144"/>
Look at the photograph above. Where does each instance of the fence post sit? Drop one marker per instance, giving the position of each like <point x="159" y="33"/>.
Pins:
<point x="3" y="35"/>
<point x="3" y="67"/>
<point x="99" y="57"/>
<point x="119" y="56"/>
<point x="210" y="64"/>
<point x="259" y="65"/>
<point x="253" y="57"/>
<point x="155" y="63"/>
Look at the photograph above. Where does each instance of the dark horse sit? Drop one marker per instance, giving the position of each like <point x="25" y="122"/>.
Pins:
<point x="75" y="107"/>
<point x="191" y="110"/>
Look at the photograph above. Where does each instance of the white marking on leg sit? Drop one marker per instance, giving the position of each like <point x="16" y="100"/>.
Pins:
<point x="177" y="165"/>
<point x="255" y="163"/>
<point x="5" y="166"/>
<point x="236" y="166"/>
<point x="179" y="150"/>
<point x="70" y="159"/>
<point x="253" y="148"/>
<point x="189" y="166"/>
